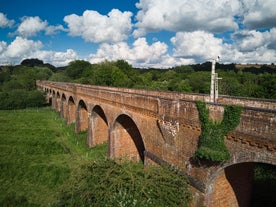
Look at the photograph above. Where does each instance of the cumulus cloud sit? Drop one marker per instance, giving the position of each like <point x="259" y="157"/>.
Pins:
<point x="185" y="15"/>
<point x="251" y="46"/>
<point x="3" y="46"/>
<point x="57" y="58"/>
<point x="4" y="21"/>
<point x="22" y="48"/>
<point x="259" y="14"/>
<point x="94" y="27"/>
<point x="251" y="40"/>
<point x="141" y="54"/>
<point x="31" y="26"/>
<point x="199" y="45"/>
<point x="50" y="30"/>
<point x="248" y="47"/>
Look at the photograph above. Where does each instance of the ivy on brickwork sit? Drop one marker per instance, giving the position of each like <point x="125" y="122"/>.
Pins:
<point x="212" y="146"/>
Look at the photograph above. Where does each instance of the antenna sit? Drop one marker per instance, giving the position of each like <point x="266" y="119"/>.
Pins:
<point x="214" y="82"/>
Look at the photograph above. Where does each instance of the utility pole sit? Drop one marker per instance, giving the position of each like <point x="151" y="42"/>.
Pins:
<point x="214" y="82"/>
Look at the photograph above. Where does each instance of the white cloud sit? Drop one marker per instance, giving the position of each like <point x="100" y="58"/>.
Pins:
<point x="30" y="26"/>
<point x="186" y="15"/>
<point x="22" y="48"/>
<point x="94" y="27"/>
<point x="50" y="30"/>
<point x="250" y="40"/>
<point x="56" y="58"/>
<point x="141" y="54"/>
<point x="259" y="13"/>
<point x="3" y="46"/>
<point x="199" y="45"/>
<point x="252" y="46"/>
<point x="4" y="21"/>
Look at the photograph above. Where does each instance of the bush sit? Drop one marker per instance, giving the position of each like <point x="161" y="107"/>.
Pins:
<point x="107" y="183"/>
<point x="20" y="98"/>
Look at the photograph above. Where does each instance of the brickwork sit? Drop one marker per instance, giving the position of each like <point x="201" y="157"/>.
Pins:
<point x="163" y="127"/>
<point x="99" y="127"/>
<point x="235" y="182"/>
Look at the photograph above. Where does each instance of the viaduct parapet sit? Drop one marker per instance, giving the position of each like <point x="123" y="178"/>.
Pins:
<point x="164" y="127"/>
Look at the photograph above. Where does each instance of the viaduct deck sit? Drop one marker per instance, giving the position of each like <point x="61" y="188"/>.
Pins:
<point x="164" y="127"/>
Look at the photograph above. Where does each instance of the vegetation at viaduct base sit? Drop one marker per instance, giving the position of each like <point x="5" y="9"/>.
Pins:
<point x="44" y="163"/>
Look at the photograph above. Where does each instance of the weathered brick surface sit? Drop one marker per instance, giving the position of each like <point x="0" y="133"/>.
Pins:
<point x="163" y="127"/>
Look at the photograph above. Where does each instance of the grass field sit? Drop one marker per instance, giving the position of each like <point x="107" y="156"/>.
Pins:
<point x="38" y="154"/>
<point x="44" y="163"/>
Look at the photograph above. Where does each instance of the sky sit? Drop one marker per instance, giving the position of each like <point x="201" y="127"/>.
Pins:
<point x="145" y="33"/>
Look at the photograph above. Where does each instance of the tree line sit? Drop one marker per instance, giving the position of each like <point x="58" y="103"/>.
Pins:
<point x="18" y="90"/>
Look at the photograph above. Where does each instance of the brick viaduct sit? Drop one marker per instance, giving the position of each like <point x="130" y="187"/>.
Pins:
<point x="163" y="127"/>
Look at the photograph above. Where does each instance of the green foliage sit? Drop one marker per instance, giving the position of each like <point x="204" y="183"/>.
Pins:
<point x="20" y="98"/>
<point x="18" y="90"/>
<point x="60" y="76"/>
<point x="212" y="146"/>
<point x="110" y="184"/>
<point x="200" y="82"/>
<point x="76" y="68"/>
<point x="32" y="62"/>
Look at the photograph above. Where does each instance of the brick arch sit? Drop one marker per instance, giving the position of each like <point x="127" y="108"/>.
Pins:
<point x="58" y="99"/>
<point x="63" y="111"/>
<point x="71" y="111"/>
<point x="98" y="127"/>
<point x="232" y="186"/>
<point x="54" y="99"/>
<point x="126" y="140"/>
<point x="81" y="117"/>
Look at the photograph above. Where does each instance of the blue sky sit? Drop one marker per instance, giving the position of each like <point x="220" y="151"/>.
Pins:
<point x="146" y="33"/>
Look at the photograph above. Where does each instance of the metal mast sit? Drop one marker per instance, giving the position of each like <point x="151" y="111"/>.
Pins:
<point x="214" y="82"/>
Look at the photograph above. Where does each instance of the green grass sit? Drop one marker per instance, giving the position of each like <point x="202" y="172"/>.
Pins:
<point x="38" y="155"/>
<point x="44" y="163"/>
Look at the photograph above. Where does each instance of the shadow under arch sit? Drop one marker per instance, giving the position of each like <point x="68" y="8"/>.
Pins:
<point x="126" y="140"/>
<point x="82" y="117"/>
<point x="71" y="111"/>
<point x="63" y="110"/>
<point x="99" y="127"/>
<point x="233" y="185"/>
<point x="58" y="102"/>
<point x="54" y="100"/>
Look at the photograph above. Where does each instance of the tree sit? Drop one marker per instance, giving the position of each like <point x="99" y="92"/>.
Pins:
<point x="76" y="68"/>
<point x="32" y="62"/>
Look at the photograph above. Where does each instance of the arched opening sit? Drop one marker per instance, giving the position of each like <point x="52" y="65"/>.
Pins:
<point x="233" y="186"/>
<point x="54" y="100"/>
<point x="264" y="186"/>
<point x="82" y="119"/>
<point x="63" y="113"/>
<point x="99" y="127"/>
<point x="50" y="100"/>
<point x="58" y="108"/>
<point x="71" y="113"/>
<point x="126" y="140"/>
